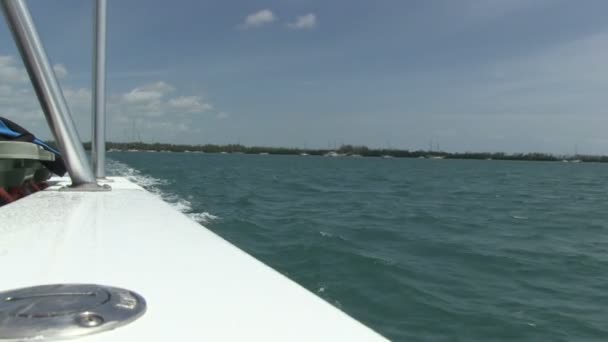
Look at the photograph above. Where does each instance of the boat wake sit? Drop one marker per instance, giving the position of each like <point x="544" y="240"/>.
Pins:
<point x="153" y="185"/>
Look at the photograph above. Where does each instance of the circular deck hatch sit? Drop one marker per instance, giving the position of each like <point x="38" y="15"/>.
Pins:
<point x="66" y="311"/>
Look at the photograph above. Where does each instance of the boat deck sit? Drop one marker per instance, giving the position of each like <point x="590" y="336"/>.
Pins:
<point x="198" y="287"/>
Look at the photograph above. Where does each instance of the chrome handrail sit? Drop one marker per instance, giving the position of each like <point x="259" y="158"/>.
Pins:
<point x="98" y="135"/>
<point x="49" y="92"/>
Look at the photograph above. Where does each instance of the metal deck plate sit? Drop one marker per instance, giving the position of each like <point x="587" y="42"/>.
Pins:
<point x="66" y="311"/>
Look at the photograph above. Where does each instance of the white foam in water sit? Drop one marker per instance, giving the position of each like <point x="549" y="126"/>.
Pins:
<point x="151" y="184"/>
<point x="203" y="217"/>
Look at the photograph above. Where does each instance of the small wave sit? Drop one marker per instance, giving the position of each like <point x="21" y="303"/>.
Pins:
<point x="519" y="217"/>
<point x="123" y="170"/>
<point x="152" y="185"/>
<point x="203" y="217"/>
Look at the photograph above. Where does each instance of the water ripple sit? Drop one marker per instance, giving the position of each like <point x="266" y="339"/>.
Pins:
<point x="419" y="250"/>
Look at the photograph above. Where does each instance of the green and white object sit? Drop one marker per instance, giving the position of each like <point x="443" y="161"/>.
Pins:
<point x="21" y="162"/>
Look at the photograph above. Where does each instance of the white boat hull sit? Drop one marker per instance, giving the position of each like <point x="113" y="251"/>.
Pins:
<point x="198" y="287"/>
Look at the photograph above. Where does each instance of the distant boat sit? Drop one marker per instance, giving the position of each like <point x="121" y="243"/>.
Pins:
<point x="303" y="154"/>
<point x="575" y="161"/>
<point x="356" y="155"/>
<point x="386" y="156"/>
<point x="223" y="152"/>
<point x="437" y="157"/>
<point x="263" y="153"/>
<point x="332" y="154"/>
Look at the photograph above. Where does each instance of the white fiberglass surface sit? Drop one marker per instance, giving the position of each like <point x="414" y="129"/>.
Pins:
<point x="197" y="285"/>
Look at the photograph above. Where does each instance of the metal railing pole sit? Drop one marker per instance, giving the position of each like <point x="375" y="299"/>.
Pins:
<point x="48" y="91"/>
<point x="98" y="136"/>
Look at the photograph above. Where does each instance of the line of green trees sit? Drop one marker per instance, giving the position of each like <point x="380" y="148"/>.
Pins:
<point x="345" y="150"/>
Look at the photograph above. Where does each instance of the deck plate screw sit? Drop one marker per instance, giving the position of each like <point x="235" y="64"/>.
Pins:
<point x="89" y="320"/>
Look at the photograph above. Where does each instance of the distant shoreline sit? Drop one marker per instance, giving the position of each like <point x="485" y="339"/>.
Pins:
<point x="346" y="151"/>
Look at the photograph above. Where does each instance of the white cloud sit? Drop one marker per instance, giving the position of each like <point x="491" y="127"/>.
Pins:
<point x="566" y="78"/>
<point x="190" y="104"/>
<point x="258" y="19"/>
<point x="77" y="97"/>
<point x="149" y="92"/>
<point x="304" y="22"/>
<point x="10" y="71"/>
<point x="150" y="102"/>
<point x="4" y="60"/>
<point x="146" y="111"/>
<point x="60" y="70"/>
<point x="17" y="100"/>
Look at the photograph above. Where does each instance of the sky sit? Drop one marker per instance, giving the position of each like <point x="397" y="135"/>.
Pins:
<point x="467" y="75"/>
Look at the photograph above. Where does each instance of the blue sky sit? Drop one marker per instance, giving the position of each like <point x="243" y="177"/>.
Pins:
<point x="468" y="75"/>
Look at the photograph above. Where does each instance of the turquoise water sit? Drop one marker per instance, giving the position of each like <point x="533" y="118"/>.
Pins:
<point x="416" y="249"/>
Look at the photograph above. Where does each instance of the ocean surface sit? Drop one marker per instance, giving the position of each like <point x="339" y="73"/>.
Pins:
<point x="417" y="249"/>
